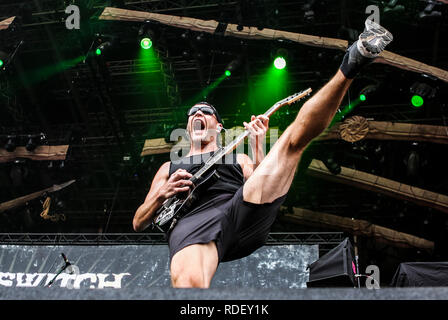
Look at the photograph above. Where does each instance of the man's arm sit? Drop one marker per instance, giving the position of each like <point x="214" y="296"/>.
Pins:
<point x="163" y="187"/>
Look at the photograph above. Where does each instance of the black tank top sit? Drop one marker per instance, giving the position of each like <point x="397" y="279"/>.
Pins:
<point x="229" y="170"/>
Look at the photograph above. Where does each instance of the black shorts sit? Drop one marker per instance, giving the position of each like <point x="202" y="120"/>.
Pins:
<point x="238" y="227"/>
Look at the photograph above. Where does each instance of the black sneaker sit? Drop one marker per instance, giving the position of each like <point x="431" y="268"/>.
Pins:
<point x="371" y="42"/>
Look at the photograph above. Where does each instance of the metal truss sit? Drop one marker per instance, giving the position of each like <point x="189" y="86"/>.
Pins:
<point x="170" y="6"/>
<point x="325" y="240"/>
<point x="53" y="11"/>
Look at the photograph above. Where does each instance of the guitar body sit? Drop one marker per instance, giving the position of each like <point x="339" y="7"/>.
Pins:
<point x="178" y="206"/>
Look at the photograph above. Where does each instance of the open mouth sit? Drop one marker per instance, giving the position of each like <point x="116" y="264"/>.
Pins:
<point x="198" y="124"/>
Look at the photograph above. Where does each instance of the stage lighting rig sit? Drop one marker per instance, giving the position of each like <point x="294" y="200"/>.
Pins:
<point x="30" y="141"/>
<point x="280" y="57"/>
<point x="6" y="59"/>
<point x="430" y="10"/>
<point x="368" y="92"/>
<point x="100" y="44"/>
<point x="421" y="91"/>
<point x="103" y="47"/>
<point x="232" y="66"/>
<point x="308" y="8"/>
<point x="393" y="7"/>
<point x="31" y="144"/>
<point x="332" y="165"/>
<point x="34" y="140"/>
<point x="146" y="35"/>
<point x="11" y="143"/>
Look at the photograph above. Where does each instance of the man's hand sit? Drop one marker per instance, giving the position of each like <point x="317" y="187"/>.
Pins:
<point x="257" y="127"/>
<point x="177" y="182"/>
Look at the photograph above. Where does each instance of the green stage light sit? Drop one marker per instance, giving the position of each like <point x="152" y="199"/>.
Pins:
<point x="362" y="97"/>
<point x="280" y="63"/>
<point x="417" y="101"/>
<point x="98" y="52"/>
<point x="1" y="63"/>
<point x="146" y="43"/>
<point x="228" y="73"/>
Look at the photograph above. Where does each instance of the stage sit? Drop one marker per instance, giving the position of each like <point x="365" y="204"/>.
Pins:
<point x="234" y="294"/>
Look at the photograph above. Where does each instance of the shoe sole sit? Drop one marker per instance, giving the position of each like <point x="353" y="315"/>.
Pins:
<point x="375" y="39"/>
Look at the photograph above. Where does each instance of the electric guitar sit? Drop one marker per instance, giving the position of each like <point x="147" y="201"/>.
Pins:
<point x="177" y="206"/>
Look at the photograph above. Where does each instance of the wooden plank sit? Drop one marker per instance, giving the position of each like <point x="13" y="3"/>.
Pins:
<point x="209" y="26"/>
<point x="41" y="153"/>
<point x="22" y="200"/>
<point x="155" y="146"/>
<point x="382" y="185"/>
<point x="383" y="130"/>
<point x="356" y="227"/>
<point x="4" y="24"/>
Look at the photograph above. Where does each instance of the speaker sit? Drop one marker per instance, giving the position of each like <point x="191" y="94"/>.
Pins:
<point x="334" y="269"/>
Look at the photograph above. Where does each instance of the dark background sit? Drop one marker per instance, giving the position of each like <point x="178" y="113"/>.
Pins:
<point x="105" y="108"/>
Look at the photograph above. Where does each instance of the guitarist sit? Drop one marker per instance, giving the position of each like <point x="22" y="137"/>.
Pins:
<point x="234" y="217"/>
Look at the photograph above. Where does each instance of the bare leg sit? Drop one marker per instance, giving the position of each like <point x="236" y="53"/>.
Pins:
<point x="194" y="266"/>
<point x="274" y="175"/>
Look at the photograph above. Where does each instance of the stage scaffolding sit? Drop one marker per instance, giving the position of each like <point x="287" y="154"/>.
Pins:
<point x="325" y="240"/>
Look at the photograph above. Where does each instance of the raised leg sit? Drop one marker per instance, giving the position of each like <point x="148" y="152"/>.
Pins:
<point x="274" y="175"/>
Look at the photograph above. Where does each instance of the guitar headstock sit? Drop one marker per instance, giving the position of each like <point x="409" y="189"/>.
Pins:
<point x="295" y="97"/>
<point x="288" y="101"/>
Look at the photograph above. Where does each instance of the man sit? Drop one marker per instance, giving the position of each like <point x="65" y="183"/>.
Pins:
<point x="234" y="215"/>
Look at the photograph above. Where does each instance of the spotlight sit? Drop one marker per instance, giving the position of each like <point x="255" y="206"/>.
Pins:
<point x="308" y="15"/>
<point x="429" y="11"/>
<point x="421" y="91"/>
<point x="186" y="55"/>
<point x="146" y="43"/>
<point x="185" y="35"/>
<point x="7" y="58"/>
<point x="280" y="56"/>
<point x="332" y="165"/>
<point x="417" y="101"/>
<point x="232" y="66"/>
<point x="280" y="63"/>
<point x="10" y="145"/>
<point x="392" y="6"/>
<point x="103" y="47"/>
<point x="146" y="36"/>
<point x="32" y="143"/>
<point x="3" y="59"/>
<point x="367" y="92"/>
<point x="200" y="37"/>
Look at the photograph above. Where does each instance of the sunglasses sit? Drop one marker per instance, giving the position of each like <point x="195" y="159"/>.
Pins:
<point x="205" y="110"/>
